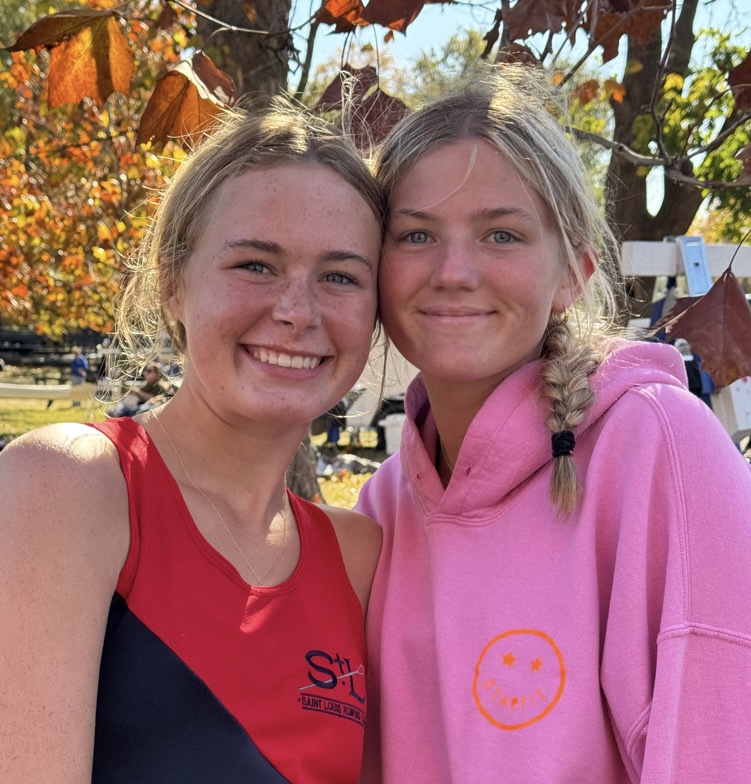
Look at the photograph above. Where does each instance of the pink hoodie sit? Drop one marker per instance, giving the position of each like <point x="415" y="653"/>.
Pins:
<point x="507" y="645"/>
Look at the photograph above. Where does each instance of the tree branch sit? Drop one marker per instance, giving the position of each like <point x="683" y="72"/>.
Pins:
<point x="305" y="72"/>
<point x="670" y="165"/>
<point x="230" y="28"/>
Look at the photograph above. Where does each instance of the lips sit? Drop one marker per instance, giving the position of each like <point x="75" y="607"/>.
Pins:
<point x="454" y="313"/>
<point x="297" y="361"/>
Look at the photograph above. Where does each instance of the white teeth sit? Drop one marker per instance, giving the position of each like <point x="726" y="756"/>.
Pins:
<point x="285" y="360"/>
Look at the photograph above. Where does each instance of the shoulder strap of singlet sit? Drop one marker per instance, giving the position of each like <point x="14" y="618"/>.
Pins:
<point x="133" y="446"/>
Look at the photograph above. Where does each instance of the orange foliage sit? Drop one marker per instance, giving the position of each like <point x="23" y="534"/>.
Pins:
<point x="74" y="191"/>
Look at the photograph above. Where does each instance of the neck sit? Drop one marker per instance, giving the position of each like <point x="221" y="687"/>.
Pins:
<point x="243" y="467"/>
<point x="454" y="407"/>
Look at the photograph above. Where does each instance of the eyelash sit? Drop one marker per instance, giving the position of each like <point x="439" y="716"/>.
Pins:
<point x="338" y="278"/>
<point x="255" y="266"/>
<point x="343" y="278"/>
<point x="409" y="237"/>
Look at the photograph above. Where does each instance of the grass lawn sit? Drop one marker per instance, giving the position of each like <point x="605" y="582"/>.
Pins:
<point x="18" y="416"/>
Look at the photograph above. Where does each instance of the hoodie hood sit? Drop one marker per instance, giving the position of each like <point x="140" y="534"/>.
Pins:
<point x="507" y="441"/>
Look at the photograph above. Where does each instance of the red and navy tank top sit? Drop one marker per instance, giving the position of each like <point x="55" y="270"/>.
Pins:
<point x="205" y="678"/>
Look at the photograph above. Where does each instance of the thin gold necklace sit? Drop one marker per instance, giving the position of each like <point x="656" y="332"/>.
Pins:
<point x="445" y="456"/>
<point x="260" y="580"/>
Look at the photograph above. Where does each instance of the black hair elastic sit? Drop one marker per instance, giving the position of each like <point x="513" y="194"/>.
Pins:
<point x="563" y="443"/>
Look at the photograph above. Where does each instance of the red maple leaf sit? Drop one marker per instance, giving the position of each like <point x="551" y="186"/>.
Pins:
<point x="718" y="327"/>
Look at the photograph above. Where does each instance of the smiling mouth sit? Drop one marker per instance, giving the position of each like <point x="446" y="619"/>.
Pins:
<point x="456" y="314"/>
<point x="296" y="361"/>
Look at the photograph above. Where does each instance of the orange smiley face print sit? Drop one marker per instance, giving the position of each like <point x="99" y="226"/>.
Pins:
<point x="519" y="677"/>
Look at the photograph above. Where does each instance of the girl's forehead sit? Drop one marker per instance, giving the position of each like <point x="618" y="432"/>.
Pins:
<point x="469" y="173"/>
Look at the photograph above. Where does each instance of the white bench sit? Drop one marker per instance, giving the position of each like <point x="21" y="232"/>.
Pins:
<point x="80" y="392"/>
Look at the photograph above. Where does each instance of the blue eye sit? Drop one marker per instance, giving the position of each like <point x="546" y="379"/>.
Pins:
<point x="502" y="237"/>
<point x="340" y="278"/>
<point x="417" y="237"/>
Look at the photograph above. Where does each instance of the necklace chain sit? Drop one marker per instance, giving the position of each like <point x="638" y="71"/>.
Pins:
<point x="445" y="456"/>
<point x="260" y="579"/>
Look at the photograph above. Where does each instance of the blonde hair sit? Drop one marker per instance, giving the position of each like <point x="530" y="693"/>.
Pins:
<point x="245" y="139"/>
<point x="514" y="108"/>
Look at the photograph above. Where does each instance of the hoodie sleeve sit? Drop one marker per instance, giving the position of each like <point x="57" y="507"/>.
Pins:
<point x="676" y="663"/>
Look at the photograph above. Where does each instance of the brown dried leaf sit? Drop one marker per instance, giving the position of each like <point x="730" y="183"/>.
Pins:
<point x="93" y="64"/>
<point x="516" y="53"/>
<point x="587" y="91"/>
<point x="375" y="117"/>
<point x="529" y="17"/>
<point x="739" y="80"/>
<point x="352" y="82"/>
<point x="220" y="84"/>
<point x="636" y="18"/>
<point x="394" y="14"/>
<point x="718" y="327"/>
<point x="181" y="107"/>
<point x="56" y="28"/>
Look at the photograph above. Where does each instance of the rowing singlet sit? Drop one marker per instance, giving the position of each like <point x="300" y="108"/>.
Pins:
<point x="205" y="678"/>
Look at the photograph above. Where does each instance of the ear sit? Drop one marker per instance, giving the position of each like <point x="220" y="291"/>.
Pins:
<point x="173" y="304"/>
<point x="575" y="280"/>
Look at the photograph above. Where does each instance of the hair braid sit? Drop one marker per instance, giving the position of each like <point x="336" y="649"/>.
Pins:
<point x="566" y="367"/>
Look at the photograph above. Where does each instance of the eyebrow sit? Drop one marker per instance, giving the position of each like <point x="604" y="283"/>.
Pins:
<point x="264" y="245"/>
<point x="267" y="246"/>
<point x="483" y="214"/>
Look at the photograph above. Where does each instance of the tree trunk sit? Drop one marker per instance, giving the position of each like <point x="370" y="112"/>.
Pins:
<point x="626" y="185"/>
<point x="259" y="64"/>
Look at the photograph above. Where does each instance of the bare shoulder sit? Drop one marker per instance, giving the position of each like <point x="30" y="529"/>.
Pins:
<point x="360" y="542"/>
<point x="61" y="485"/>
<point x="54" y="465"/>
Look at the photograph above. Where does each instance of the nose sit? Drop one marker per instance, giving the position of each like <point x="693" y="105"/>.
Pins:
<point x="296" y="305"/>
<point x="455" y="266"/>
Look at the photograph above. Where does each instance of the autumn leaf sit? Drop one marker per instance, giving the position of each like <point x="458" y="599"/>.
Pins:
<point x="517" y="53"/>
<point x="739" y="80"/>
<point x="375" y="117"/>
<point x="587" y="91"/>
<point x="89" y="56"/>
<point x="56" y="28"/>
<point x="614" y="90"/>
<point x="351" y="82"/>
<point x="185" y="101"/>
<point x="718" y="327"/>
<point x="219" y="84"/>
<point x="344" y="15"/>
<point x="93" y="64"/>
<point x="394" y="14"/>
<point x="638" y="19"/>
<point x="529" y="17"/>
